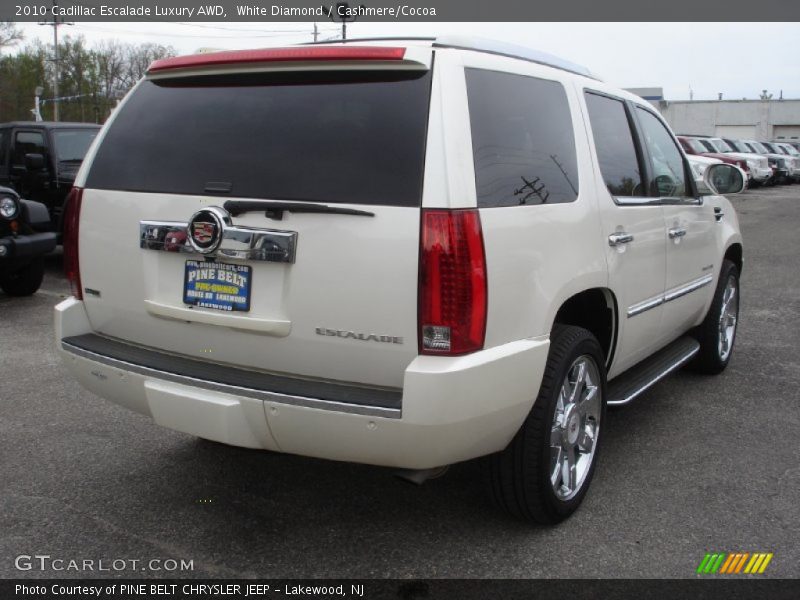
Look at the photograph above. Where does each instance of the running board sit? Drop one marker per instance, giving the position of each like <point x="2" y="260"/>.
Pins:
<point x="651" y="370"/>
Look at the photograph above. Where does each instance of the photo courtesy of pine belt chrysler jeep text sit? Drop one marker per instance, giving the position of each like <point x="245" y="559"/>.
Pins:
<point x="400" y="253"/>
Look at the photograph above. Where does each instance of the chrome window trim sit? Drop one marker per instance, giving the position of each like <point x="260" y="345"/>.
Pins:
<point x="653" y="201"/>
<point x="669" y="296"/>
<point x="332" y="405"/>
<point x="682" y="201"/>
<point x="636" y="201"/>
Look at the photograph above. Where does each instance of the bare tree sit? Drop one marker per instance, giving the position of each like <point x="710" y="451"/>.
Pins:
<point x="138" y="58"/>
<point x="110" y="58"/>
<point x="92" y="79"/>
<point x="9" y="34"/>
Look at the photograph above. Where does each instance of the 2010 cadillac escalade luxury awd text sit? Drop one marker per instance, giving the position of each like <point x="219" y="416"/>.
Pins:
<point x="398" y="253"/>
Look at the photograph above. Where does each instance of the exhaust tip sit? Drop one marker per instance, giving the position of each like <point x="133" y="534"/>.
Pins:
<point x="420" y="476"/>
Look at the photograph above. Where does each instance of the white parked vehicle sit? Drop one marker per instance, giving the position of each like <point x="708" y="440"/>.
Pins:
<point x="397" y="253"/>
<point x="791" y="155"/>
<point x="782" y="164"/>
<point x="760" y="170"/>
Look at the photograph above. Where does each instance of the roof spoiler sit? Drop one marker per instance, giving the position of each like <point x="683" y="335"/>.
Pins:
<point x="266" y="56"/>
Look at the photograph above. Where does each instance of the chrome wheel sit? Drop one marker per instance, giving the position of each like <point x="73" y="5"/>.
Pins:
<point x="728" y="316"/>
<point x="575" y="427"/>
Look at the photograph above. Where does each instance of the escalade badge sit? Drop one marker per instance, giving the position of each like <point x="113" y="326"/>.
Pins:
<point x="205" y="229"/>
<point x="366" y="337"/>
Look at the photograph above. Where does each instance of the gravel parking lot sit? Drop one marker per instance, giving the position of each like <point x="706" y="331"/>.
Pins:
<point x="696" y="465"/>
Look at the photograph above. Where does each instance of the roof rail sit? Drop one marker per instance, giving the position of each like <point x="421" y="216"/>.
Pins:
<point x="488" y="46"/>
<point x="511" y="50"/>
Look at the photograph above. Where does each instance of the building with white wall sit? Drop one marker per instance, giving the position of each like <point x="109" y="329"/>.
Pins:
<point x="762" y="120"/>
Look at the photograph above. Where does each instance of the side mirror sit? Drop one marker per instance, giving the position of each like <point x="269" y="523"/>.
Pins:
<point x="724" y="179"/>
<point x="34" y="162"/>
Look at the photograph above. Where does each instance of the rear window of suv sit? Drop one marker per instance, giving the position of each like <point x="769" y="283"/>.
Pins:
<point x="523" y="144"/>
<point x="338" y="137"/>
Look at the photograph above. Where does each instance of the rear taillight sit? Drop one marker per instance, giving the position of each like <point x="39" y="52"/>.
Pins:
<point x="72" y="216"/>
<point x="452" y="283"/>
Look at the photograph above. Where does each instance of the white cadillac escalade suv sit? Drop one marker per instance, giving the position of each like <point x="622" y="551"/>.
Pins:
<point x="402" y="253"/>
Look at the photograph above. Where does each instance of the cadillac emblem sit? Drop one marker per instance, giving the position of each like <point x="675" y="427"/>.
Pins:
<point x="206" y="229"/>
<point x="203" y="233"/>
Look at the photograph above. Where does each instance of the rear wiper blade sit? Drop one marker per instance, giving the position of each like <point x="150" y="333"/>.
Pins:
<point x="274" y="210"/>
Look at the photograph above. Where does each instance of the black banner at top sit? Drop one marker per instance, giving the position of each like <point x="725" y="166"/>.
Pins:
<point x="400" y="11"/>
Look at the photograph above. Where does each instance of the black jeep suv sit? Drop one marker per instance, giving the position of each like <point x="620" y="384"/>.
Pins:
<point x="23" y="243"/>
<point x="41" y="159"/>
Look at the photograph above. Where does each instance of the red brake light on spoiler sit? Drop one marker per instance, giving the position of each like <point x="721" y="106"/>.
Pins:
<point x="312" y="53"/>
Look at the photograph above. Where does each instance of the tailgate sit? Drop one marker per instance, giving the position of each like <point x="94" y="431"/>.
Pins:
<point x="311" y="270"/>
<point x="354" y="278"/>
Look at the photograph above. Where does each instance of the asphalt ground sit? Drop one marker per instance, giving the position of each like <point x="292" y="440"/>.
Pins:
<point x="698" y="464"/>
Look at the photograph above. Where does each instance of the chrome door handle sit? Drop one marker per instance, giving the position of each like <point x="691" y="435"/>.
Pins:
<point x="677" y="232"/>
<point x="619" y="238"/>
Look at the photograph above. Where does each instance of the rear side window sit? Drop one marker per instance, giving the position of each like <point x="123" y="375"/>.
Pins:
<point x="334" y="137"/>
<point x="613" y="140"/>
<point x="523" y="144"/>
<point x="72" y="144"/>
<point x="28" y="142"/>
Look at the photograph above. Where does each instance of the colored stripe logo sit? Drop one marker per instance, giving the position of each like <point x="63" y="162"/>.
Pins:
<point x="734" y="563"/>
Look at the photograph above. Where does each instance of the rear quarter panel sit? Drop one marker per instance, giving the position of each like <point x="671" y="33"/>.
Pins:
<point x="537" y="256"/>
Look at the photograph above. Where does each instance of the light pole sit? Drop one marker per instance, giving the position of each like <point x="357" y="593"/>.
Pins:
<point x="37" y="113"/>
<point x="340" y="13"/>
<point x="54" y="24"/>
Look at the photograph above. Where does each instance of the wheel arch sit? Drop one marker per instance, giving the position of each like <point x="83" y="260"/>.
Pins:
<point x="596" y="310"/>
<point x="733" y="253"/>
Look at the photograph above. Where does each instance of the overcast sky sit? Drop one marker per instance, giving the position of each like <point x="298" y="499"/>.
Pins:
<point x="738" y="59"/>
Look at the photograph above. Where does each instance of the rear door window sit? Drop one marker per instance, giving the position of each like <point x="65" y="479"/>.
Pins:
<point x="339" y="137"/>
<point x="27" y="142"/>
<point x="523" y="143"/>
<point x="613" y="139"/>
<point x="71" y="145"/>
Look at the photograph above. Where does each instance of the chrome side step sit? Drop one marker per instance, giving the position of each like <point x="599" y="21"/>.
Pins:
<point x="637" y="379"/>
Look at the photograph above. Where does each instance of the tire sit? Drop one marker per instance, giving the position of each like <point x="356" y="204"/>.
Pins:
<point x="519" y="477"/>
<point x="716" y="340"/>
<point x="24" y="281"/>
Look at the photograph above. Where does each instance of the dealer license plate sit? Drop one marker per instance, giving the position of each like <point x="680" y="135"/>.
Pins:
<point x="217" y="285"/>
